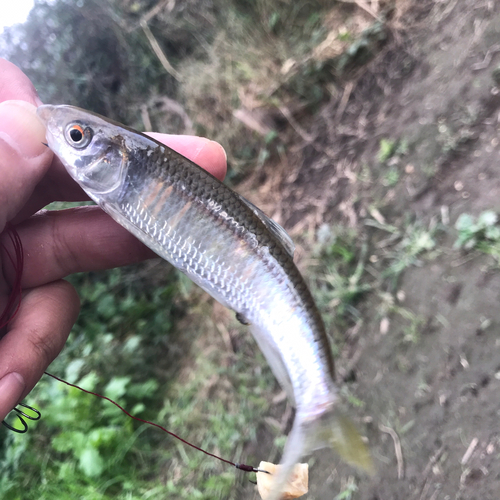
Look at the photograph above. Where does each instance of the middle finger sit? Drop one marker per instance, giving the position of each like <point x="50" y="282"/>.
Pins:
<point x="59" y="243"/>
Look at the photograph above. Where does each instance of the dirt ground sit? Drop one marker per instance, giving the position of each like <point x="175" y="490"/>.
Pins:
<point x="432" y="408"/>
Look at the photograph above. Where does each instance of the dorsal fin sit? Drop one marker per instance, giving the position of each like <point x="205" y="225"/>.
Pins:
<point x="273" y="226"/>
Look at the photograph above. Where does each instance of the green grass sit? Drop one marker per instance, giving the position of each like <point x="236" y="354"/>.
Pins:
<point x="343" y="280"/>
<point x="348" y="490"/>
<point x="338" y="279"/>
<point x="136" y="344"/>
<point x="390" y="155"/>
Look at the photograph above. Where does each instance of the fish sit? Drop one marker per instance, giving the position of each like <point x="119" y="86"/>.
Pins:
<point x="228" y="247"/>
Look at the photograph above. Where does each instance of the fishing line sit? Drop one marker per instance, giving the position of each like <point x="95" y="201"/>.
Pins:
<point x="17" y="261"/>
<point x="10" y="311"/>
<point x="243" y="467"/>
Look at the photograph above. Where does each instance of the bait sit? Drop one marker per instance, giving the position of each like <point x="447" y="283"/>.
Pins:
<point x="229" y="248"/>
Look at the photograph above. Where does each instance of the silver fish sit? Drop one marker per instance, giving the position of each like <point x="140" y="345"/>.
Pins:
<point x="229" y="248"/>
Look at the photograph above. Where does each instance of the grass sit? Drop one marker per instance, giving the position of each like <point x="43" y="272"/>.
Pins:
<point x="344" y="280"/>
<point x="408" y="322"/>
<point x="338" y="279"/>
<point x="348" y="490"/>
<point x="405" y="245"/>
<point x="241" y="70"/>
<point x="127" y="345"/>
<point x="390" y="156"/>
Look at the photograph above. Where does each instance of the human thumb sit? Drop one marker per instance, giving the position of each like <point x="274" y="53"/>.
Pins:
<point x="24" y="159"/>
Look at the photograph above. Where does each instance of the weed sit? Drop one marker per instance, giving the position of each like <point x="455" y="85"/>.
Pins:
<point x="343" y="279"/>
<point x="126" y="346"/>
<point x="416" y="241"/>
<point x="340" y="283"/>
<point x="481" y="233"/>
<point x="391" y="177"/>
<point x="451" y="140"/>
<point x="390" y="154"/>
<point x="430" y="169"/>
<point x="387" y="148"/>
<point x="348" y="489"/>
<point x="351" y="398"/>
<point x="412" y="323"/>
<point x="405" y="247"/>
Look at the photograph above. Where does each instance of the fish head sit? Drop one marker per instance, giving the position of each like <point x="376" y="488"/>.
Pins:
<point x="92" y="149"/>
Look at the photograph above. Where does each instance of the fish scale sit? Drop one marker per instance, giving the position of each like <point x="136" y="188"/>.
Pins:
<point x="194" y="185"/>
<point x="225" y="245"/>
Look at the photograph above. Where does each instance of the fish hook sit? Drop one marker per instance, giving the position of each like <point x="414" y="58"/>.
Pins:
<point x="20" y="414"/>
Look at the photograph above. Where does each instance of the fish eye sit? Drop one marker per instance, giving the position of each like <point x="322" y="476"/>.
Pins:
<point x="77" y="136"/>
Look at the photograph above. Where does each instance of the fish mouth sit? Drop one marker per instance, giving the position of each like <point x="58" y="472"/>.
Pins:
<point x="47" y="115"/>
<point x="44" y="112"/>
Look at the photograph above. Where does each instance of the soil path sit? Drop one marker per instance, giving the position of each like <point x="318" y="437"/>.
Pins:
<point x="433" y="406"/>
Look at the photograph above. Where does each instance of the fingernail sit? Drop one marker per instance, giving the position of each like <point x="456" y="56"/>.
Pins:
<point x="21" y="129"/>
<point x="11" y="390"/>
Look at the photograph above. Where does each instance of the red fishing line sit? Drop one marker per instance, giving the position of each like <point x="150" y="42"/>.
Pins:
<point x="247" y="468"/>
<point x="17" y="261"/>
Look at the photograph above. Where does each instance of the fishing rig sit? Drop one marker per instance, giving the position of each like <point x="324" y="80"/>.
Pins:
<point x="21" y="415"/>
<point x="10" y="311"/>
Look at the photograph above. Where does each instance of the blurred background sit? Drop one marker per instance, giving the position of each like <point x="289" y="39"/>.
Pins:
<point x="369" y="130"/>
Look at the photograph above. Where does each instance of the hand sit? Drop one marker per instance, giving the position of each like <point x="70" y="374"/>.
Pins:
<point x="55" y="244"/>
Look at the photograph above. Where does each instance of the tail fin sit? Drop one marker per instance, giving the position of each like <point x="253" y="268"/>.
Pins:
<point x="331" y="429"/>
<point x="345" y="440"/>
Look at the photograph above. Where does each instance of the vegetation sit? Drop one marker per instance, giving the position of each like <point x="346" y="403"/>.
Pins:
<point x="481" y="233"/>
<point x="125" y="346"/>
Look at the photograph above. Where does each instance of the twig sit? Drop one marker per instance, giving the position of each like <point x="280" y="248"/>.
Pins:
<point x="425" y="489"/>
<point x="174" y="107"/>
<point x="451" y="5"/>
<point x="397" y="448"/>
<point x="291" y="120"/>
<point x="470" y="451"/>
<point x="432" y="461"/>
<point x="159" y="53"/>
<point x="226" y="337"/>
<point x="364" y="6"/>
<point x="343" y="102"/>
<point x="345" y="371"/>
<point x="169" y="4"/>
<point x="461" y="261"/>
<point x="487" y="58"/>
<point x="145" y="118"/>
